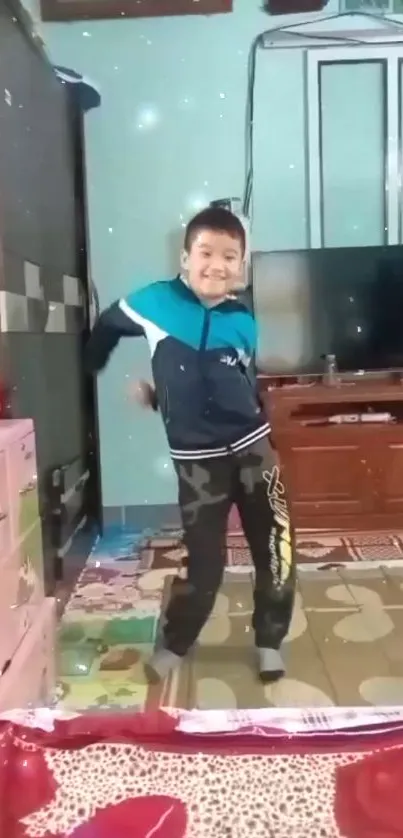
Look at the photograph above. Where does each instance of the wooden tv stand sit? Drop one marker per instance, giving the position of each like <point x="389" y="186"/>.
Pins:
<point x="344" y="475"/>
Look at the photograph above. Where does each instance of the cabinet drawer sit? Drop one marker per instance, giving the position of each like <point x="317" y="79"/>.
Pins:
<point x="21" y="592"/>
<point x="10" y="617"/>
<point x="4" y="509"/>
<point x="326" y="479"/>
<point x="30" y="678"/>
<point x="24" y="486"/>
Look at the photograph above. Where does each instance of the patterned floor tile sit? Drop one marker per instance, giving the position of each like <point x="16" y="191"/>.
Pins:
<point x="100" y="662"/>
<point x="371" y="589"/>
<point x="350" y="653"/>
<point x="118" y="591"/>
<point x="159" y="556"/>
<point x="107" y="688"/>
<point x="344" y="644"/>
<point x="103" y="632"/>
<point x="224" y="675"/>
<point x="325" y="589"/>
<point x="74" y="660"/>
<point x="119" y="544"/>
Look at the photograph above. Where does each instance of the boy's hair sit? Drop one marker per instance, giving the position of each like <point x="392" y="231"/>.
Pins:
<point x="219" y="220"/>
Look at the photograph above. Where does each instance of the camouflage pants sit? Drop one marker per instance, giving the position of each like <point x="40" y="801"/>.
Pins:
<point x="207" y="490"/>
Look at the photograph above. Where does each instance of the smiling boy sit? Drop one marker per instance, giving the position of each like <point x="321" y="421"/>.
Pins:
<point x="202" y="342"/>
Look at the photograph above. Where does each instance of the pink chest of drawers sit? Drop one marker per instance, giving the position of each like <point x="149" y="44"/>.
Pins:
<point x="21" y="556"/>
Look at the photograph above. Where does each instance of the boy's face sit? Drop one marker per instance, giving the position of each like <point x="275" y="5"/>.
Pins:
<point x="213" y="266"/>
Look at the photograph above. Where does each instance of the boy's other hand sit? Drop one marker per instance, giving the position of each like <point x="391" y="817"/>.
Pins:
<point x="143" y="393"/>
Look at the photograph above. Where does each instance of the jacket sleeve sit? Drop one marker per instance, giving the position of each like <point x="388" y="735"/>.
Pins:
<point x="114" y="323"/>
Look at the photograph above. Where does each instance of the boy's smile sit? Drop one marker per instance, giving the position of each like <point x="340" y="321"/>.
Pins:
<point x="213" y="265"/>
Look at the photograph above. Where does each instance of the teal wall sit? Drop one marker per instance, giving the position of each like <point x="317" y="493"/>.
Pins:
<point x="168" y="138"/>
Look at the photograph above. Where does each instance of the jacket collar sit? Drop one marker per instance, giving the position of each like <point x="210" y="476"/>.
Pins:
<point x="183" y="280"/>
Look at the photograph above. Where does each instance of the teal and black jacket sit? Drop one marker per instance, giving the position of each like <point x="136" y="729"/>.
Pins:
<point x="201" y="362"/>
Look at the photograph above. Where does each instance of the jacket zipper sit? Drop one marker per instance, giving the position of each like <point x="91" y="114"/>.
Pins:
<point x="202" y="349"/>
<point x="205" y="331"/>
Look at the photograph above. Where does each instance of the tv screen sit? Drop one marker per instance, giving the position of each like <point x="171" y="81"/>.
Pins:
<point x="343" y="302"/>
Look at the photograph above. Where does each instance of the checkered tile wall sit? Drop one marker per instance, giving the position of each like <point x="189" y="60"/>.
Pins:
<point x="38" y="299"/>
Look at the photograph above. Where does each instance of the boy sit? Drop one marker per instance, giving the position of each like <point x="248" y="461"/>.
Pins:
<point x="202" y="341"/>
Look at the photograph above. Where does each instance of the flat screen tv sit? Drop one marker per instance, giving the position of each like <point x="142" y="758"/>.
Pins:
<point x="343" y="302"/>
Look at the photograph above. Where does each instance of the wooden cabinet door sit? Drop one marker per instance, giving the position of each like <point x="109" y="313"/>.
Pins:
<point x="327" y="481"/>
<point x="389" y="477"/>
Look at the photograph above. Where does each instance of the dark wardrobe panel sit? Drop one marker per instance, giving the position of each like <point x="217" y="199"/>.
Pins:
<point x="44" y="295"/>
<point x="37" y="155"/>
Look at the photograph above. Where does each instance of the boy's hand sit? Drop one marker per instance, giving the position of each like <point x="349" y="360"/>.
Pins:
<point x="143" y="393"/>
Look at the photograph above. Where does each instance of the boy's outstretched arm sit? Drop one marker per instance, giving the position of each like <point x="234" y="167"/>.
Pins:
<point x="112" y="325"/>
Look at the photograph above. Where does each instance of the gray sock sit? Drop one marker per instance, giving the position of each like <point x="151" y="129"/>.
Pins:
<point x="161" y="663"/>
<point x="271" y="665"/>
